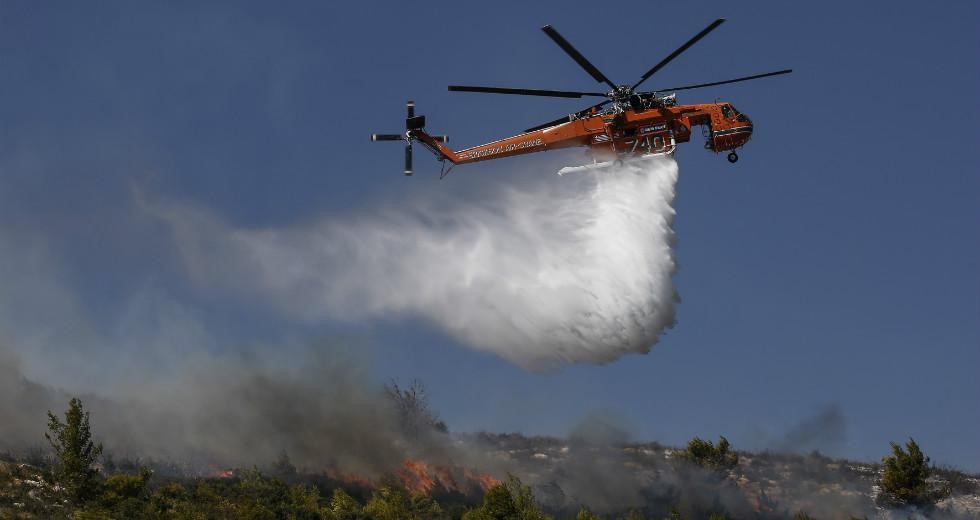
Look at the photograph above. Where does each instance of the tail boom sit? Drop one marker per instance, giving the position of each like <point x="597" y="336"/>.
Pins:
<point x="564" y="135"/>
<point x="561" y="136"/>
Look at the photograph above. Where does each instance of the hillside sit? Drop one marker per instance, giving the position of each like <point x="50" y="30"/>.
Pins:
<point x="648" y="479"/>
<point x="569" y="474"/>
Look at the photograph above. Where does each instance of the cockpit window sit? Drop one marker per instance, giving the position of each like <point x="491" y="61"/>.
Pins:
<point x="726" y="111"/>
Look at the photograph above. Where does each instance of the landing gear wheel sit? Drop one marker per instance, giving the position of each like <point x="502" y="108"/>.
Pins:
<point x="733" y="157"/>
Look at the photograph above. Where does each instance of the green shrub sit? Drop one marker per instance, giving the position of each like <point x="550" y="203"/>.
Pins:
<point x="905" y="474"/>
<point x="120" y="487"/>
<point x="304" y="502"/>
<point x="497" y="504"/>
<point x="391" y="501"/>
<point x="706" y="454"/>
<point x="344" y="506"/>
<point x="91" y="512"/>
<point x="587" y="514"/>
<point x="510" y="500"/>
<point x="166" y="501"/>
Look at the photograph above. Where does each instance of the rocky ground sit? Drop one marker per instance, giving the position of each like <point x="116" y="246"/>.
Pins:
<point x="649" y="476"/>
<point x="24" y="493"/>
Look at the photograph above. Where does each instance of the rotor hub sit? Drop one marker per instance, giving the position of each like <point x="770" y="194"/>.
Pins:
<point x="621" y="93"/>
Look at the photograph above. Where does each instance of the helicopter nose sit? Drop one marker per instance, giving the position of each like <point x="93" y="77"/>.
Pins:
<point x="747" y="133"/>
<point x="732" y="137"/>
<point x="746" y="127"/>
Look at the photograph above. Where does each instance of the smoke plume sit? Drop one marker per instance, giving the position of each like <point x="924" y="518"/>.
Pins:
<point x="232" y="410"/>
<point x="826" y="431"/>
<point x="548" y="270"/>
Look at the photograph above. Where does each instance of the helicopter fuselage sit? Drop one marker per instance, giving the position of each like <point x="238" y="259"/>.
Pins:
<point x="616" y="134"/>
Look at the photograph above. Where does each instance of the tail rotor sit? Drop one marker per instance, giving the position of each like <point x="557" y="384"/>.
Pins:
<point x="409" y="117"/>
<point x="412" y="123"/>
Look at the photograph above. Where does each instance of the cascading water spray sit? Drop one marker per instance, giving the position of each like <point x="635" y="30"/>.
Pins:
<point x="576" y="269"/>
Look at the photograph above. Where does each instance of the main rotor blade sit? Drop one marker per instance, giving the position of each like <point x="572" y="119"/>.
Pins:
<point x="524" y="91"/>
<point x="577" y="56"/>
<point x="387" y="137"/>
<point x="566" y="119"/>
<point x="736" y="80"/>
<point x="558" y="121"/>
<point x="714" y="25"/>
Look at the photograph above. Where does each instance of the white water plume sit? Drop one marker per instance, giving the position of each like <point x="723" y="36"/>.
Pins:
<point x="554" y="269"/>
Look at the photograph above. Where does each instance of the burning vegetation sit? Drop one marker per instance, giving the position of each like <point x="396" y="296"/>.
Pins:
<point x="486" y="476"/>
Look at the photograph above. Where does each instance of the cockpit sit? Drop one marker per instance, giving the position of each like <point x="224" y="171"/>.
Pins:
<point x="730" y="113"/>
<point x="727" y="111"/>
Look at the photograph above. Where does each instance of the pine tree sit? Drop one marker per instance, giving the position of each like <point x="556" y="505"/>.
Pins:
<point x="72" y="443"/>
<point x="905" y="473"/>
<point x="705" y="453"/>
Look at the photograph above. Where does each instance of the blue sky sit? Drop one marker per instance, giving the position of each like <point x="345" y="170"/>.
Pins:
<point x="835" y="265"/>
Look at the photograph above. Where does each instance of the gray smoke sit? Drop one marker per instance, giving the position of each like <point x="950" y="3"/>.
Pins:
<point x="826" y="431"/>
<point x="162" y="383"/>
<point x="230" y="411"/>
<point x="593" y="471"/>
<point x="548" y="270"/>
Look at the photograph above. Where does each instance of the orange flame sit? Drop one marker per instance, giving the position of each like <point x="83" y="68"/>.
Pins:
<point x="216" y="472"/>
<point x="418" y="477"/>
<point x="350" y="480"/>
<point x="484" y="481"/>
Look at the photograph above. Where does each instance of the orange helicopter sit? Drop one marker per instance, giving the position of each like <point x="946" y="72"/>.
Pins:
<point x="634" y="124"/>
